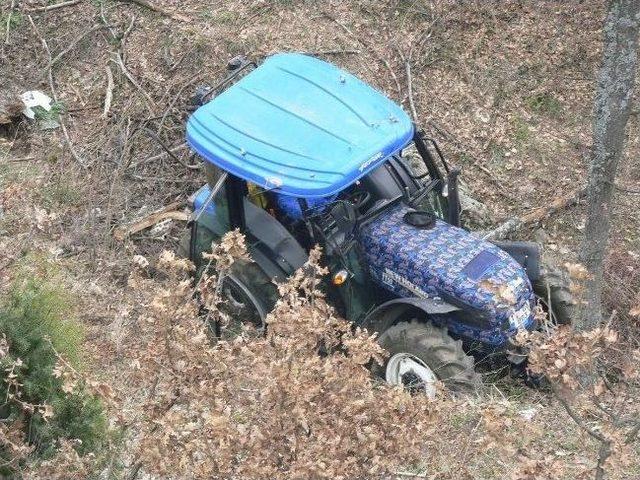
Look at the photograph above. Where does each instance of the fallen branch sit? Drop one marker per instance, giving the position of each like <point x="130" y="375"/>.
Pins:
<point x="151" y="105"/>
<point x="55" y="6"/>
<point x="535" y="216"/>
<point x="160" y="10"/>
<point x="21" y="159"/>
<point x="330" y="52"/>
<point x="410" y="475"/>
<point x="108" y="96"/>
<point x="169" y="212"/>
<point x="118" y="55"/>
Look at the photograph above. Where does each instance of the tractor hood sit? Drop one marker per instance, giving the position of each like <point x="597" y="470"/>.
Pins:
<point x="447" y="262"/>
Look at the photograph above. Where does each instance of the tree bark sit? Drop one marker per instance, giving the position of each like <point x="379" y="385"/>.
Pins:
<point x="612" y="105"/>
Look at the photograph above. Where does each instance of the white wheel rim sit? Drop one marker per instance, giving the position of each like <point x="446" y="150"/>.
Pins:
<point x="403" y="366"/>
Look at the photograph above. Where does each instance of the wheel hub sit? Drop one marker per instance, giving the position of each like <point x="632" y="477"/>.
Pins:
<point x="240" y="307"/>
<point x="412" y="373"/>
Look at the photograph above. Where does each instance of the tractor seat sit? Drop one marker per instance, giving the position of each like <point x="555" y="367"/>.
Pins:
<point x="286" y="250"/>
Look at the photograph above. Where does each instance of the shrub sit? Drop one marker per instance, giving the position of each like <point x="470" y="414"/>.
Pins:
<point x="269" y="407"/>
<point x="37" y="328"/>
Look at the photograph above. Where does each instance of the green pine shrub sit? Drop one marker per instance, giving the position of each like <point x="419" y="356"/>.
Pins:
<point x="36" y="320"/>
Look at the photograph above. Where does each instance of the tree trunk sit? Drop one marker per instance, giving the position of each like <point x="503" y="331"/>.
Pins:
<point x="612" y="105"/>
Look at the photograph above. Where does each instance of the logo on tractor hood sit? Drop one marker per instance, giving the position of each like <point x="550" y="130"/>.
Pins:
<point x="365" y="164"/>
<point x="389" y="277"/>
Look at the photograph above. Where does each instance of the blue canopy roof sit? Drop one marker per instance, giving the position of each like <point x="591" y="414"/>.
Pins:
<point x="299" y="124"/>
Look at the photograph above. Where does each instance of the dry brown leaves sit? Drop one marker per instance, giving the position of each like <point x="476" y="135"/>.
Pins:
<point x="298" y="403"/>
<point x="598" y="391"/>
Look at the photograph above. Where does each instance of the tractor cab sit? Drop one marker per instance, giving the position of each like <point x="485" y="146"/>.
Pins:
<point x="299" y="152"/>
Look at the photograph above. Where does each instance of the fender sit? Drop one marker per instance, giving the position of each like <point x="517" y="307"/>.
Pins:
<point x="526" y="254"/>
<point x="385" y="315"/>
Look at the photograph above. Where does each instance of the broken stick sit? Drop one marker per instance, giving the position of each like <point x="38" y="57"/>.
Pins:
<point x="108" y="96"/>
<point x="55" y="6"/>
<point x="168" y="212"/>
<point x="158" y="9"/>
<point x="535" y="216"/>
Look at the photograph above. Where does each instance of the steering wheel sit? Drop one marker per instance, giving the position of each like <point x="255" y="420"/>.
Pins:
<point x="381" y="205"/>
<point x="359" y="198"/>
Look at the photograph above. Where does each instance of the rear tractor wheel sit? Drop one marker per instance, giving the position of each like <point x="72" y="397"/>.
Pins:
<point x="421" y="354"/>
<point x="553" y="290"/>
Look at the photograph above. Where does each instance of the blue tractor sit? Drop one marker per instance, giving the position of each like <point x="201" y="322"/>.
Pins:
<point x="299" y="152"/>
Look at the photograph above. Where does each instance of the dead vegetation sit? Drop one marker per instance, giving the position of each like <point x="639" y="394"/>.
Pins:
<point x="507" y="91"/>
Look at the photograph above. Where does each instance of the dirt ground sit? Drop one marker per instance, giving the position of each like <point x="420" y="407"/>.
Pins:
<point x="506" y="88"/>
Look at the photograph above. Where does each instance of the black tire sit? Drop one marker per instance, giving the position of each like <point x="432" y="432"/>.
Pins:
<point x="436" y="349"/>
<point x="184" y="245"/>
<point x="248" y="295"/>
<point x="553" y="289"/>
<point x="246" y="284"/>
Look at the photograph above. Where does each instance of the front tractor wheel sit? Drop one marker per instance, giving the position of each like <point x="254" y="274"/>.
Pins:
<point x="421" y="354"/>
<point x="248" y="295"/>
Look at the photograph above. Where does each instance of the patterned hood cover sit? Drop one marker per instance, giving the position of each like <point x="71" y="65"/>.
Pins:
<point x="450" y="263"/>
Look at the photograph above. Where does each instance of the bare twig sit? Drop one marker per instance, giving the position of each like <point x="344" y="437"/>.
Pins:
<point x="150" y="103"/>
<point x="406" y="60"/>
<point x="463" y="148"/>
<point x="604" y="452"/>
<point x="159" y="156"/>
<point x="122" y="165"/>
<point x="126" y="34"/>
<point x="175" y="99"/>
<point x="108" y="96"/>
<point x="55" y="6"/>
<point x="21" y="159"/>
<point x="168" y="151"/>
<point x="119" y="59"/>
<point x="412" y="105"/>
<point x="576" y="418"/>
<point x="70" y="47"/>
<point x="45" y="45"/>
<point x="371" y="48"/>
<point x="156" y="8"/>
<point x="104" y="21"/>
<point x="13" y="4"/>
